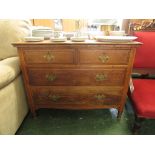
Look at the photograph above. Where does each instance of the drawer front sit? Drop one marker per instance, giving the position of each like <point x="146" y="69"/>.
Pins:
<point x="100" y="57"/>
<point x="58" y="77"/>
<point x="77" y="95"/>
<point x="60" y="56"/>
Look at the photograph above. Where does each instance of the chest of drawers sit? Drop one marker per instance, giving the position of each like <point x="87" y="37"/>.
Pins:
<point x="86" y="75"/>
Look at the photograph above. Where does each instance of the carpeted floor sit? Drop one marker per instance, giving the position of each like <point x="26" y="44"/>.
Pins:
<point x="82" y="122"/>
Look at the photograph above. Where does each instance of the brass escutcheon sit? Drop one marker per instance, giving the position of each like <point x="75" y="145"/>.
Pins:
<point x="103" y="58"/>
<point x="49" y="56"/>
<point x="53" y="98"/>
<point x="100" y="97"/>
<point x="50" y="77"/>
<point x="101" y="77"/>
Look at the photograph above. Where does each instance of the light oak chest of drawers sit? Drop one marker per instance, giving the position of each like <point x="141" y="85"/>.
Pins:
<point x="86" y="75"/>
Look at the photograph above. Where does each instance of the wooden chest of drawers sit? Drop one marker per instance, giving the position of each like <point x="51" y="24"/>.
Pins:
<point x="89" y="75"/>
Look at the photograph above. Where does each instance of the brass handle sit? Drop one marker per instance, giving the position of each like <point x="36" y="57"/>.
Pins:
<point x="54" y="98"/>
<point x="49" y="57"/>
<point x="100" y="97"/>
<point x="101" y="77"/>
<point x="51" y="77"/>
<point x="103" y="58"/>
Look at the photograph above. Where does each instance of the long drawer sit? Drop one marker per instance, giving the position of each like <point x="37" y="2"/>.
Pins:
<point x="77" y="95"/>
<point x="100" y="57"/>
<point x="57" y="56"/>
<point x="76" y="77"/>
<point x="86" y="56"/>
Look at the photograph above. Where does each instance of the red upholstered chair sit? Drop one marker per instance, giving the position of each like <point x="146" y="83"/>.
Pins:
<point x="143" y="95"/>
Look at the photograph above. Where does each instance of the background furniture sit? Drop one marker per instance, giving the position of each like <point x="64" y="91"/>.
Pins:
<point x="143" y="95"/>
<point x="86" y="75"/>
<point x="69" y="25"/>
<point x="13" y="105"/>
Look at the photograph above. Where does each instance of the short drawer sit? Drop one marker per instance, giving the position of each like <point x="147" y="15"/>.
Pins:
<point x="60" y="56"/>
<point x="77" y="95"/>
<point x="119" y="57"/>
<point x="76" y="77"/>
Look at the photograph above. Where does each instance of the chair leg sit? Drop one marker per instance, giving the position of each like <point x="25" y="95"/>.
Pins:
<point x="137" y="125"/>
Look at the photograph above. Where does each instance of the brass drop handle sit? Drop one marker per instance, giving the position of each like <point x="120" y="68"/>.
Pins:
<point x="49" y="56"/>
<point x="53" y="98"/>
<point x="50" y="77"/>
<point x="101" y="77"/>
<point x="100" y="97"/>
<point x="103" y="58"/>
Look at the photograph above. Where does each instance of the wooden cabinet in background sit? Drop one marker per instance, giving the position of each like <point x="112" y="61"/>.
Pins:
<point x="43" y="22"/>
<point x="86" y="75"/>
<point x="68" y="24"/>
